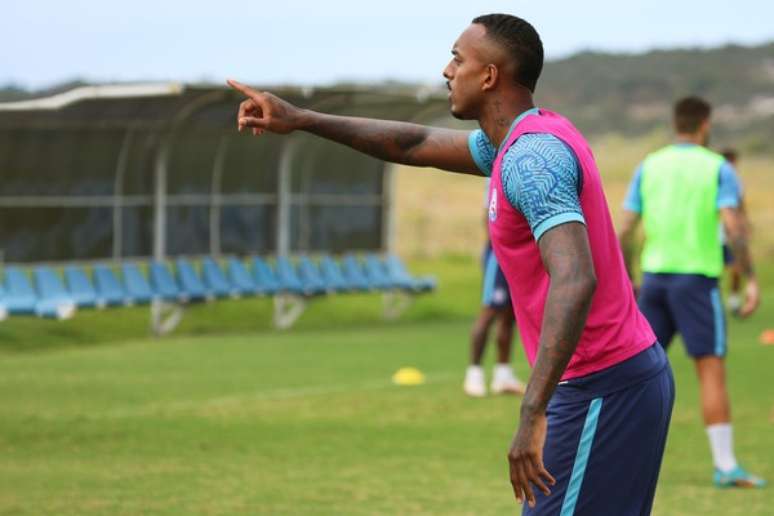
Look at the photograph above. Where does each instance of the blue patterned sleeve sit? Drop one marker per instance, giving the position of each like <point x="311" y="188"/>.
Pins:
<point x="729" y="187"/>
<point x="542" y="179"/>
<point x="482" y="151"/>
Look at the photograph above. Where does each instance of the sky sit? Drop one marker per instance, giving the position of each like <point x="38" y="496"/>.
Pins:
<point x="45" y="42"/>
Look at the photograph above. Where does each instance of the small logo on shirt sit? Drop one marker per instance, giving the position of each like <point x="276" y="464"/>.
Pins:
<point x="493" y="205"/>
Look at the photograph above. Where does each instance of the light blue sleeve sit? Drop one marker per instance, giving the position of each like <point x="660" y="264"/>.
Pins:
<point x="633" y="200"/>
<point x="729" y="187"/>
<point x="542" y="179"/>
<point x="482" y="151"/>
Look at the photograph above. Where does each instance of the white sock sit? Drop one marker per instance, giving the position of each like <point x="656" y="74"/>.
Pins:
<point x="722" y="445"/>
<point x="503" y="372"/>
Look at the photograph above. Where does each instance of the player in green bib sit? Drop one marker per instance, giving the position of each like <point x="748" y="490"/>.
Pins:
<point x="681" y="194"/>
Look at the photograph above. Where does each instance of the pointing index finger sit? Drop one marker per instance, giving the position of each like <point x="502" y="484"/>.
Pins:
<point x="242" y="88"/>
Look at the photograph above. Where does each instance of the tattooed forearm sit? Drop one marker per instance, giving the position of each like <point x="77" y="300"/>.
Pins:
<point x="627" y="248"/>
<point x="741" y="252"/>
<point x="737" y="229"/>
<point x="626" y="237"/>
<point x="397" y="142"/>
<point x="383" y="139"/>
<point x="567" y="258"/>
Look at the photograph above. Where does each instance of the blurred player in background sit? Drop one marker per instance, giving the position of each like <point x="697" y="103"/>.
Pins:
<point x="495" y="309"/>
<point x="734" y="299"/>
<point x="681" y="193"/>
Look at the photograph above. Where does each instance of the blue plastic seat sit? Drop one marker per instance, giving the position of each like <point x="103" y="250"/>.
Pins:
<point x="240" y="277"/>
<point x="333" y="276"/>
<point x="401" y="276"/>
<point x="191" y="284"/>
<point x="164" y="284"/>
<point x="310" y="276"/>
<point x="20" y="298"/>
<point x="215" y="281"/>
<point x="355" y="274"/>
<point x="138" y="289"/>
<point x="53" y="299"/>
<point x="108" y="287"/>
<point x="266" y="281"/>
<point x="289" y="279"/>
<point x="377" y="273"/>
<point x="80" y="288"/>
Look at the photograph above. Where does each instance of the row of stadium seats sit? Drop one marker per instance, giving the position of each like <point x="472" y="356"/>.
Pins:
<point x="47" y="294"/>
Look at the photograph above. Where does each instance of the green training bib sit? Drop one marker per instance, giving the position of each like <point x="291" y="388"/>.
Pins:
<point x="679" y="189"/>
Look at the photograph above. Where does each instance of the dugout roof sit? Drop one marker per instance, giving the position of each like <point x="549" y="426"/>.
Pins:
<point x="117" y="171"/>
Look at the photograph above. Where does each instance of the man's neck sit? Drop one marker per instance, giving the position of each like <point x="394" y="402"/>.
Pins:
<point x="695" y="138"/>
<point x="499" y="114"/>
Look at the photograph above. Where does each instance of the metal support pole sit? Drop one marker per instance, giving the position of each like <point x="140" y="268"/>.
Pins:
<point x="161" y="320"/>
<point x="118" y="195"/>
<point x="284" y="197"/>
<point x="388" y="209"/>
<point x="216" y="200"/>
<point x="160" y="202"/>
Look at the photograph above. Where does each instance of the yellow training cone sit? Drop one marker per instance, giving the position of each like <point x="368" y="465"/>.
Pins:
<point x="408" y="376"/>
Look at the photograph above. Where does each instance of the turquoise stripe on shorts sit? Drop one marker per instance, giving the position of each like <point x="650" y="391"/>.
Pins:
<point x="582" y="457"/>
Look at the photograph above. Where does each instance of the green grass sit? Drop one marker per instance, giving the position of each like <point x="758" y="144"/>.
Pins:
<point x="230" y="417"/>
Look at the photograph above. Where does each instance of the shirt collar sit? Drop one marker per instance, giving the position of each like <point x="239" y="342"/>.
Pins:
<point x="522" y="116"/>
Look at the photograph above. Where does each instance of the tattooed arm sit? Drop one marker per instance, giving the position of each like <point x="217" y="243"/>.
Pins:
<point x="631" y="219"/>
<point x="627" y="238"/>
<point x="736" y="226"/>
<point x="567" y="258"/>
<point x="398" y="142"/>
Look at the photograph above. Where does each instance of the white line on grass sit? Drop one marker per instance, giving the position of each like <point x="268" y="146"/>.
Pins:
<point x="178" y="407"/>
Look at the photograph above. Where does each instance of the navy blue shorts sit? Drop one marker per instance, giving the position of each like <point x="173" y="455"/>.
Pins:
<point x="688" y="304"/>
<point x="606" y="437"/>
<point x="495" y="288"/>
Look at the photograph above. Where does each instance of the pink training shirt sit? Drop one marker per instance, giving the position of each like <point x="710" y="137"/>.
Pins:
<point x="615" y="329"/>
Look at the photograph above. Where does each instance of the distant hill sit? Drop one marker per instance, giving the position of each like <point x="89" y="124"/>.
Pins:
<point x="633" y="93"/>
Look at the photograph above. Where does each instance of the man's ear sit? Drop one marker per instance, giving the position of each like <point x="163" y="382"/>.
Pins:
<point x="491" y="76"/>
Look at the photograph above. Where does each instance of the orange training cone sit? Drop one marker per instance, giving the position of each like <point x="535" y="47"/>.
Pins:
<point x="767" y="337"/>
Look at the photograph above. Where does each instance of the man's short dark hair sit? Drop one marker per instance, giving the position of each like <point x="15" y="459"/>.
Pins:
<point x="522" y="42"/>
<point x="690" y="113"/>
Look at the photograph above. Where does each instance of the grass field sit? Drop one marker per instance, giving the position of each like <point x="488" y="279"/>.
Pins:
<point x="229" y="417"/>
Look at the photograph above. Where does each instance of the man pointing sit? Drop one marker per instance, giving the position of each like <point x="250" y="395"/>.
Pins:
<point x="601" y="389"/>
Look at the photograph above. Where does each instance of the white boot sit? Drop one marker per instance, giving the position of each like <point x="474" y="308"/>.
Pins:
<point x="474" y="382"/>
<point x="504" y="381"/>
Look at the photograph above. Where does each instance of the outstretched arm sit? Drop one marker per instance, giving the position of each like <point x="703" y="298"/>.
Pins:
<point x="397" y="142"/>
<point x="567" y="258"/>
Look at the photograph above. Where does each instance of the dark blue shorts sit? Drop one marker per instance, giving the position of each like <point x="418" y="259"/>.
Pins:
<point x="688" y="304"/>
<point x="606" y="437"/>
<point x="495" y="288"/>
